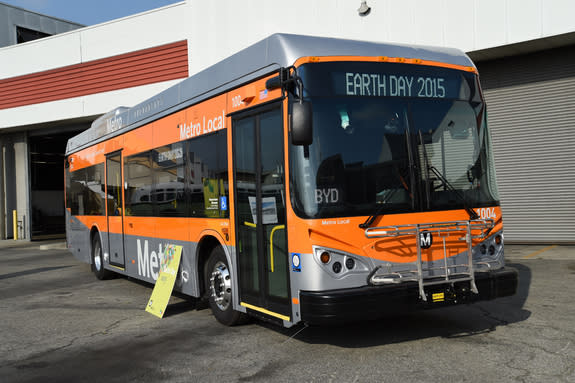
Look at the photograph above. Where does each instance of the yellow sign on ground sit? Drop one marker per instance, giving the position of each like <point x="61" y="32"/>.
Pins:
<point x="166" y="279"/>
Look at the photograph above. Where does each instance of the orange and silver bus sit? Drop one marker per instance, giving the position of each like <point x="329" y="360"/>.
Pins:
<point x="307" y="180"/>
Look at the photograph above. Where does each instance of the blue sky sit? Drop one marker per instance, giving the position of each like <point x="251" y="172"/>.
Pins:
<point x="89" y="12"/>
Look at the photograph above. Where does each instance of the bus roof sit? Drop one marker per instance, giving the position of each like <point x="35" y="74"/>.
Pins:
<point x="262" y="58"/>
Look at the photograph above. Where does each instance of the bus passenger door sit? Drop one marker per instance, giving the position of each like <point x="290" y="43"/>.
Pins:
<point x="114" y="209"/>
<point x="259" y="187"/>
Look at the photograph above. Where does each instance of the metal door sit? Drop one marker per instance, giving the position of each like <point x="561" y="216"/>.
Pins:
<point x="115" y="209"/>
<point x="260" y="212"/>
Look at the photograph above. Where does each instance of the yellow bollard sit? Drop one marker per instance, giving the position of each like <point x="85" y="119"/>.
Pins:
<point x="15" y="224"/>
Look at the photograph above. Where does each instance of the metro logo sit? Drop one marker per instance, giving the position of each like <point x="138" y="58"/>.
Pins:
<point x="113" y="124"/>
<point x="149" y="264"/>
<point x="212" y="124"/>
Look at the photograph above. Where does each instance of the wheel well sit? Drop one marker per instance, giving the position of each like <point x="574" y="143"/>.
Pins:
<point x="93" y="234"/>
<point x="205" y="247"/>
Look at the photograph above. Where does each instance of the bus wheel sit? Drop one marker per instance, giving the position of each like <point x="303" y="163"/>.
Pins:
<point x="98" y="260"/>
<point x="220" y="289"/>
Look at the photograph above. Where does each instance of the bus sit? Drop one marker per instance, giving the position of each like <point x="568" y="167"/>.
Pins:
<point x="307" y="179"/>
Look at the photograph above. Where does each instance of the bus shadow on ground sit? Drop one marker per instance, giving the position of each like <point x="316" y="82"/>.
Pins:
<point x="449" y="322"/>
<point x="179" y="303"/>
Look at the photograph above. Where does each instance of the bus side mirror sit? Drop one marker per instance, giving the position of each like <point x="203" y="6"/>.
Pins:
<point x="301" y="124"/>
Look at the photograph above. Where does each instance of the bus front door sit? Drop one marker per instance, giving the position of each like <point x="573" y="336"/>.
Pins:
<point x="261" y="242"/>
<point x="114" y="209"/>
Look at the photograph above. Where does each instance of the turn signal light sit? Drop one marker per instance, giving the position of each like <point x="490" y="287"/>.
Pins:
<point x="324" y="257"/>
<point x="498" y="239"/>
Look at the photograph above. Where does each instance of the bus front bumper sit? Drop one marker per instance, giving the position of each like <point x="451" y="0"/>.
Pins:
<point x="370" y="302"/>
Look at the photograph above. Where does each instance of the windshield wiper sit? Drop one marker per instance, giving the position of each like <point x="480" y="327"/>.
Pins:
<point x="437" y="173"/>
<point x="369" y="221"/>
<point x="371" y="218"/>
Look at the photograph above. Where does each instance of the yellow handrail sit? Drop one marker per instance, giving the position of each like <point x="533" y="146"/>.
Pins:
<point x="15" y="224"/>
<point x="278" y="227"/>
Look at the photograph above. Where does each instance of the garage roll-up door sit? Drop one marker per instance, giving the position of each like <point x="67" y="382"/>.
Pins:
<point x="531" y="113"/>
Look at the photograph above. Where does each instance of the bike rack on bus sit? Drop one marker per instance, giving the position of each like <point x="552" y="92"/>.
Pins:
<point x="467" y="231"/>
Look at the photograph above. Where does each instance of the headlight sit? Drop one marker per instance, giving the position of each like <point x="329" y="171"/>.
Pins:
<point x="339" y="263"/>
<point x="489" y="254"/>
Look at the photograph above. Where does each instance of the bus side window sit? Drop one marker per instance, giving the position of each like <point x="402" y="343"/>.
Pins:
<point x="169" y="173"/>
<point x="208" y="175"/>
<point x="138" y="187"/>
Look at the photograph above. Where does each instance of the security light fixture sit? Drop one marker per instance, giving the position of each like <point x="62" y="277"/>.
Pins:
<point x="364" y="9"/>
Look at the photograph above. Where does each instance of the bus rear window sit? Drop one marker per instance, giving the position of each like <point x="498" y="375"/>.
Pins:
<point x="85" y="191"/>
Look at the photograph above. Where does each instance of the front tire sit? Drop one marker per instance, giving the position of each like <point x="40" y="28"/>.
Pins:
<point x="220" y="289"/>
<point x="98" y="260"/>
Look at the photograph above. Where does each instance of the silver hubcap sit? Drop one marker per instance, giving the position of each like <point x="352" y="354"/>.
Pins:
<point x="221" y="286"/>
<point x="98" y="258"/>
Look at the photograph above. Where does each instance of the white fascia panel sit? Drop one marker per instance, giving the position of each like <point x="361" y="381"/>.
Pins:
<point x="145" y="30"/>
<point x="78" y="107"/>
<point x="40" y="55"/>
<point x="41" y="113"/>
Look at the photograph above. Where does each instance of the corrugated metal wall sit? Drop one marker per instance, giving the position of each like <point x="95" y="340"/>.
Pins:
<point x="531" y="113"/>
<point x="146" y="66"/>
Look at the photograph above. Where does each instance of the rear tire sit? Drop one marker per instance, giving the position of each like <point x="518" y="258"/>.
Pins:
<point x="219" y="286"/>
<point x="98" y="260"/>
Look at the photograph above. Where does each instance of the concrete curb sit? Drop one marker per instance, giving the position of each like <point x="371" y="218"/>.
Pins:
<point x="54" y="246"/>
<point x="40" y="245"/>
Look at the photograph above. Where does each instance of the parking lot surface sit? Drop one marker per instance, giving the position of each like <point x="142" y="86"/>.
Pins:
<point x="58" y="323"/>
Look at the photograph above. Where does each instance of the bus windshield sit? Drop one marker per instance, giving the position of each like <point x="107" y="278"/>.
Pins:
<point x="392" y="138"/>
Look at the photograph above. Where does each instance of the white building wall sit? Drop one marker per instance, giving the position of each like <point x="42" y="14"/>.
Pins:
<point x="141" y="31"/>
<point x="217" y="29"/>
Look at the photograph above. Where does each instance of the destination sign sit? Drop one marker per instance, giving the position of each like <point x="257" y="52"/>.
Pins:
<point x="395" y="85"/>
<point x="381" y="79"/>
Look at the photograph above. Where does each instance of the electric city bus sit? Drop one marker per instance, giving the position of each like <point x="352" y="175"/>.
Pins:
<point x="307" y="179"/>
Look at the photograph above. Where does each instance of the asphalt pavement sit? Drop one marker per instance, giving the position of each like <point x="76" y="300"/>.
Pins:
<point x="59" y="324"/>
<point x="512" y="251"/>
